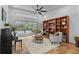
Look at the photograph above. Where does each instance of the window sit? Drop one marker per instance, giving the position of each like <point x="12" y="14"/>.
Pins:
<point x="26" y="26"/>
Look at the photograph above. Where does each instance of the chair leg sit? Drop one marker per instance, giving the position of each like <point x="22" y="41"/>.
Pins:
<point x="21" y="46"/>
<point x="15" y="46"/>
<point x="52" y="42"/>
<point x="60" y="43"/>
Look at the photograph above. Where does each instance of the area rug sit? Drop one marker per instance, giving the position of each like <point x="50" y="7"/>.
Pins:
<point x="35" y="48"/>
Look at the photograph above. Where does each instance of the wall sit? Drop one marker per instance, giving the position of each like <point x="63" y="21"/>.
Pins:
<point x="6" y="9"/>
<point x="1" y="23"/>
<point x="73" y="13"/>
<point x="7" y="13"/>
<point x="11" y="16"/>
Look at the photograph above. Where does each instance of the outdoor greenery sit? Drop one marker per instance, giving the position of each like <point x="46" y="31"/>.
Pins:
<point x="27" y="26"/>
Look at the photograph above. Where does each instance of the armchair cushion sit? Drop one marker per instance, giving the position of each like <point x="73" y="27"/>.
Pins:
<point x="57" y="34"/>
<point x="55" y="38"/>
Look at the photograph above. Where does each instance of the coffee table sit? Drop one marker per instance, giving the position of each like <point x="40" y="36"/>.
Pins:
<point x="39" y="39"/>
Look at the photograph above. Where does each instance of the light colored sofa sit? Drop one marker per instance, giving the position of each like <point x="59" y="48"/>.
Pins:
<point x="56" y="38"/>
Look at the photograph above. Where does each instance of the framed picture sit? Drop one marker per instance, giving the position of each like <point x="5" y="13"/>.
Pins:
<point x="4" y="15"/>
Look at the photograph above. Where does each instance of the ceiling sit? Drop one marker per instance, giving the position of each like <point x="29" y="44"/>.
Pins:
<point x="27" y="12"/>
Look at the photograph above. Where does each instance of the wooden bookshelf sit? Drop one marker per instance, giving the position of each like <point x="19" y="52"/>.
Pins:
<point x="60" y="24"/>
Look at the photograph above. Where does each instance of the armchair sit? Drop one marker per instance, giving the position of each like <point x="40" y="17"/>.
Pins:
<point x="56" y="39"/>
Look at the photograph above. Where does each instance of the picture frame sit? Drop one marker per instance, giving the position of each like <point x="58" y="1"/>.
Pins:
<point x="4" y="15"/>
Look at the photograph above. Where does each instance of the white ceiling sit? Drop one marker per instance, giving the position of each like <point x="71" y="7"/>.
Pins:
<point x="28" y="8"/>
<point x="27" y="12"/>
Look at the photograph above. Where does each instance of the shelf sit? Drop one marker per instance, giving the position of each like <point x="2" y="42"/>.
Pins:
<point x="55" y="25"/>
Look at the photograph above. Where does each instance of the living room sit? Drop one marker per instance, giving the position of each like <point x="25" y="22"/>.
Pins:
<point x="28" y="23"/>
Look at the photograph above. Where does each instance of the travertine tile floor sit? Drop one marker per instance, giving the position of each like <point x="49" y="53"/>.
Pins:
<point x="65" y="48"/>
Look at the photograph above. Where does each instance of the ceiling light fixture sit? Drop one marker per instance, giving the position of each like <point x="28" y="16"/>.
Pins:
<point x="39" y="10"/>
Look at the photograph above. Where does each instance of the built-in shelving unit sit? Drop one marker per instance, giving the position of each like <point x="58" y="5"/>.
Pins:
<point x="60" y="24"/>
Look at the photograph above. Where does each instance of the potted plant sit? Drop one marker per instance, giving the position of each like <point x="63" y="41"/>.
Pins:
<point x="7" y="25"/>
